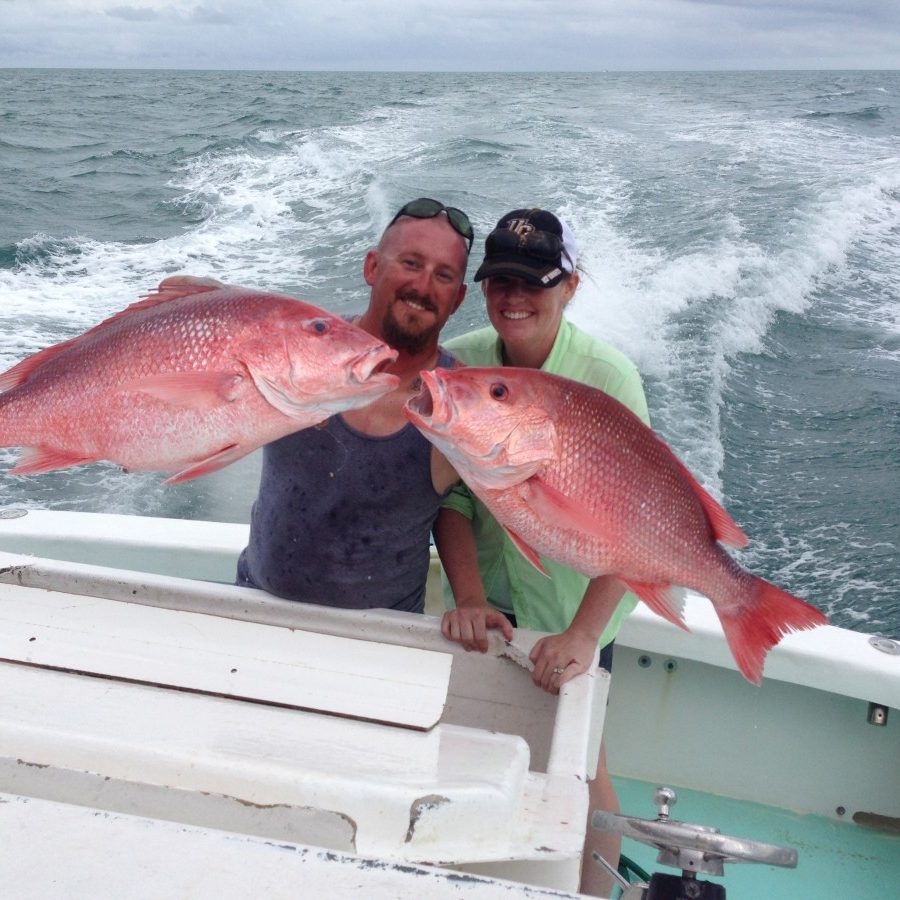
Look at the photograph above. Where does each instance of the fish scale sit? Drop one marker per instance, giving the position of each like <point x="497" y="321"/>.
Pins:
<point x="575" y="476"/>
<point x="594" y="449"/>
<point x="188" y="380"/>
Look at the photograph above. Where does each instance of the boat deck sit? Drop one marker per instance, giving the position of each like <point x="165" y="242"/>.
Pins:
<point x="61" y="851"/>
<point x="224" y="709"/>
<point x="810" y="759"/>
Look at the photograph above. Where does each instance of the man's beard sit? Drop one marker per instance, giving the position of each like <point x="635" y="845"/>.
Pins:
<point x="408" y="342"/>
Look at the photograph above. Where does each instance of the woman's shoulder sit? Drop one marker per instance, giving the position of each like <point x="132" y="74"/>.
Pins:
<point x="586" y="351"/>
<point x="600" y="365"/>
<point x="477" y="347"/>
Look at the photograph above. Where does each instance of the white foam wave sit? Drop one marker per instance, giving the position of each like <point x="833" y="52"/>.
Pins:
<point x="295" y="210"/>
<point x="295" y="216"/>
<point x="685" y="318"/>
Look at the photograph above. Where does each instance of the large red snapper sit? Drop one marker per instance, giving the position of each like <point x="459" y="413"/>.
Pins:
<point x="573" y="474"/>
<point x="187" y="380"/>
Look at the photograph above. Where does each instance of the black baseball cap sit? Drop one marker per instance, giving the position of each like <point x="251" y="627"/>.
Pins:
<point x="531" y="244"/>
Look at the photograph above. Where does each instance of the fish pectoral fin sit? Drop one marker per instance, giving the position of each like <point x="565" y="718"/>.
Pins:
<point x="549" y="503"/>
<point x="193" y="390"/>
<point x="660" y="598"/>
<point x="527" y="551"/>
<point x="224" y="457"/>
<point x="34" y="460"/>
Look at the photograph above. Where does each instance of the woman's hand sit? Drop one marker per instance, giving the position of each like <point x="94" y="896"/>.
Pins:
<point x="572" y="651"/>
<point x="560" y="657"/>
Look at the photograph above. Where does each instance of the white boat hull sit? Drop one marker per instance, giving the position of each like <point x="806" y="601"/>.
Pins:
<point x="807" y="741"/>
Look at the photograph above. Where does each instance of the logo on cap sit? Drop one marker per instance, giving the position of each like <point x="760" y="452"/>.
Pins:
<point x="520" y="227"/>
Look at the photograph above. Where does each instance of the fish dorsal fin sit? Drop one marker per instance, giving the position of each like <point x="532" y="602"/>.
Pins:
<point x="182" y="286"/>
<point x="724" y="528"/>
<point x="170" y="289"/>
<point x="19" y="373"/>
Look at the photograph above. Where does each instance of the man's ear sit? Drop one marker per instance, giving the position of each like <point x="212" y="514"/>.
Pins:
<point x="460" y="297"/>
<point x="370" y="264"/>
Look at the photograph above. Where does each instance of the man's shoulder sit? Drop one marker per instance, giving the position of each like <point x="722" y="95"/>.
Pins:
<point x="448" y="358"/>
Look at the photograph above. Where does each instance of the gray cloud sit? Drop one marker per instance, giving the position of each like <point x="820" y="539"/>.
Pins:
<point x="469" y="35"/>
<point x="202" y="14"/>
<point x="208" y="15"/>
<point x="133" y="13"/>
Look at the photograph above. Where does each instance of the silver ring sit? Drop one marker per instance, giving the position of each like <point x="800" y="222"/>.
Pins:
<point x="558" y="670"/>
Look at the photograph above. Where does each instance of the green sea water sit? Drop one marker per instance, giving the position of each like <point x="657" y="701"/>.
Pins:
<point x="740" y="234"/>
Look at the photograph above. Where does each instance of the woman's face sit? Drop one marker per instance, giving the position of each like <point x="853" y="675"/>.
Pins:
<point x="526" y="316"/>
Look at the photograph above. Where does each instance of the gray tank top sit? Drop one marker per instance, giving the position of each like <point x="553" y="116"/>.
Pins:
<point x="343" y="518"/>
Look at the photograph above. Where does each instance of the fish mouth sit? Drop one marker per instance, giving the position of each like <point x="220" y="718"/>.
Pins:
<point x="368" y="369"/>
<point x="431" y="407"/>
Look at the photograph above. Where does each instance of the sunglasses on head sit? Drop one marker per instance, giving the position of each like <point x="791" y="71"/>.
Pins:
<point x="539" y="244"/>
<point x="426" y="208"/>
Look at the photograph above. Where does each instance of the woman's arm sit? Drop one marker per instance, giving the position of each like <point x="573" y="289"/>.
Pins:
<point x="468" y="623"/>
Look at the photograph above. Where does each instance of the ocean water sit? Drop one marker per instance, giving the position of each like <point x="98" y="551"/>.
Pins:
<point x="740" y="231"/>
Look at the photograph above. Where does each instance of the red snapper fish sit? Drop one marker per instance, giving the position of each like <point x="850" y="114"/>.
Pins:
<point x="187" y="380"/>
<point x="572" y="474"/>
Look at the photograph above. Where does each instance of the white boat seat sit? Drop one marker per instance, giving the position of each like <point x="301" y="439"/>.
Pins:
<point x="193" y="651"/>
<point x="117" y="742"/>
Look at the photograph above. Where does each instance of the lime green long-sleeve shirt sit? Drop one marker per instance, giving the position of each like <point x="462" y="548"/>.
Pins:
<point x="511" y="583"/>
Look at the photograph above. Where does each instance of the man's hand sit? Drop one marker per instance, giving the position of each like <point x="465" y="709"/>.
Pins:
<point x="468" y="626"/>
<point x="560" y="657"/>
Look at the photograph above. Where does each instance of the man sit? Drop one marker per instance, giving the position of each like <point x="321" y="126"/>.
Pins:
<point x="344" y="510"/>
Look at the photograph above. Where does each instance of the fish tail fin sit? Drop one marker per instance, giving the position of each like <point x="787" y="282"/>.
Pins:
<point x="768" y="615"/>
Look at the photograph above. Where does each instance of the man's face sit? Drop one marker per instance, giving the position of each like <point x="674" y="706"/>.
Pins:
<point x="416" y="276"/>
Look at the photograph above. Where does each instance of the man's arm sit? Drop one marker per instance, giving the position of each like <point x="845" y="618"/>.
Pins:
<point x="573" y="649"/>
<point x="468" y="623"/>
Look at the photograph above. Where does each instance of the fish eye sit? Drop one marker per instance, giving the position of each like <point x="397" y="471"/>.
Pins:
<point x="499" y="391"/>
<point x="320" y="326"/>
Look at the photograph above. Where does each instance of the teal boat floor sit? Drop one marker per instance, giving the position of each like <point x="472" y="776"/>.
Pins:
<point x="837" y="860"/>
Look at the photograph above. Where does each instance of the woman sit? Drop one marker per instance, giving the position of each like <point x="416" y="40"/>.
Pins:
<point x="528" y="277"/>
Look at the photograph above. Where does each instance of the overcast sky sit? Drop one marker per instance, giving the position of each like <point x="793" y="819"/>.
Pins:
<point x="451" y="35"/>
